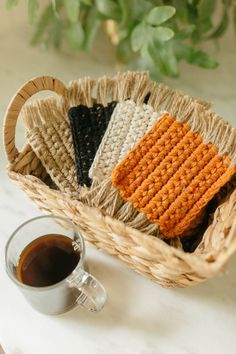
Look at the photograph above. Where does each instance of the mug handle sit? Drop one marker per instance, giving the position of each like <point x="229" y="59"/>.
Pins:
<point x="92" y="294"/>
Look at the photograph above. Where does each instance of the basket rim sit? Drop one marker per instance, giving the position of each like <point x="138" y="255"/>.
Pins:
<point x="201" y="262"/>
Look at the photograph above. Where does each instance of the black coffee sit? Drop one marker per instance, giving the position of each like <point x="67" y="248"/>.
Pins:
<point x="47" y="260"/>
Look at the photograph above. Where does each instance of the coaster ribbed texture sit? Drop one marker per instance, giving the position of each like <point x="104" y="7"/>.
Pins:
<point x="171" y="175"/>
<point x="51" y="143"/>
<point x="129" y="122"/>
<point x="88" y="125"/>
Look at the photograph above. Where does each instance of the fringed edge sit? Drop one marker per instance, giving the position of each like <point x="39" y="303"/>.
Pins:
<point x="36" y="114"/>
<point x="81" y="92"/>
<point x="209" y="125"/>
<point x="105" y="87"/>
<point x="136" y="86"/>
<point x="105" y="197"/>
<point x="127" y="86"/>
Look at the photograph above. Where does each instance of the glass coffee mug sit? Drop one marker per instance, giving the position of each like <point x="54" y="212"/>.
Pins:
<point x="77" y="288"/>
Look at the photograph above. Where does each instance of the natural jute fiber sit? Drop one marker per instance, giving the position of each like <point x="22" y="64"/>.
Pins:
<point x="147" y="255"/>
<point x="171" y="174"/>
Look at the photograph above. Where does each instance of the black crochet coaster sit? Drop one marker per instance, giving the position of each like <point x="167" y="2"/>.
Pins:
<point x="88" y="125"/>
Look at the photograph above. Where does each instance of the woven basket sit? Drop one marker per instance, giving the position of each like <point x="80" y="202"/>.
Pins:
<point x="147" y="255"/>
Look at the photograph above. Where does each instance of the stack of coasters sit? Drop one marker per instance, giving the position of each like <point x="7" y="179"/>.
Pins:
<point x="129" y="122"/>
<point x="88" y="125"/>
<point x="174" y="171"/>
<point x="67" y="149"/>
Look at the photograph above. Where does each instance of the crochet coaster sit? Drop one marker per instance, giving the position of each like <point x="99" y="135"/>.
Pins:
<point x="88" y="125"/>
<point x="51" y="142"/>
<point x="129" y="122"/>
<point x="171" y="174"/>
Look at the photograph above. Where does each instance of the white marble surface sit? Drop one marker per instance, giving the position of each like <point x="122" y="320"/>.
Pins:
<point x="140" y="316"/>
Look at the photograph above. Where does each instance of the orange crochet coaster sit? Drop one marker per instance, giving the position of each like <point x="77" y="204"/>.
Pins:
<point x="171" y="174"/>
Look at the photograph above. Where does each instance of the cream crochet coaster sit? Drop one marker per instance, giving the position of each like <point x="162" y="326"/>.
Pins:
<point x="128" y="124"/>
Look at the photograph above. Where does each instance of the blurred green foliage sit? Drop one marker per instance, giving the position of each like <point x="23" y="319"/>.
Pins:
<point x="150" y="34"/>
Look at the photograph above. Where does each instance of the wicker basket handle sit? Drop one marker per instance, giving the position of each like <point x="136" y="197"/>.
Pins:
<point x="23" y="94"/>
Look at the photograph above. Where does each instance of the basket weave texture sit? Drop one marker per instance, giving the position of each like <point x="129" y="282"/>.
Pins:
<point x="148" y="255"/>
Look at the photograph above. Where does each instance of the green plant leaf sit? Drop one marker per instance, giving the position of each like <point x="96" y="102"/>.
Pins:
<point x="160" y="14"/>
<point x="56" y="6"/>
<point x="192" y="11"/>
<point x="227" y="2"/>
<point x="87" y="2"/>
<point x="171" y="64"/>
<point x="206" y="8"/>
<point x="42" y="25"/>
<point x="49" y="29"/>
<point x="201" y="28"/>
<point x="55" y="33"/>
<point x="145" y="62"/>
<point x="202" y="59"/>
<point x="124" y="50"/>
<point x="234" y="19"/>
<point x="182" y="10"/>
<point x="140" y="8"/>
<point x="72" y="9"/>
<point x="139" y="36"/>
<point x="91" y="26"/>
<point x="158" y="63"/>
<point x="164" y="59"/>
<point x="205" y="25"/>
<point x="162" y="34"/>
<point x="182" y="51"/>
<point x="75" y="35"/>
<point x="132" y="13"/>
<point x="222" y="27"/>
<point x="194" y="56"/>
<point x="109" y="9"/>
<point x="11" y="3"/>
<point x="185" y="32"/>
<point x="33" y="6"/>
